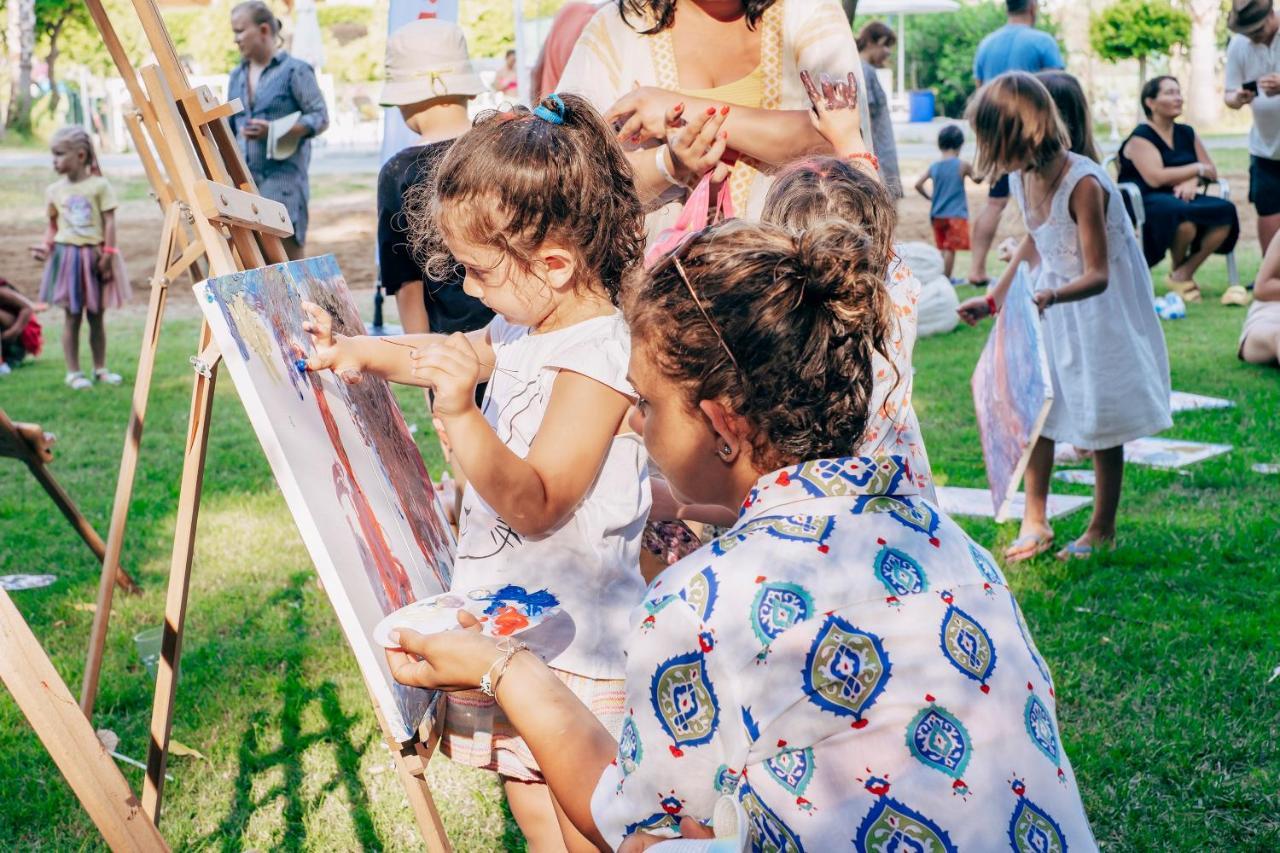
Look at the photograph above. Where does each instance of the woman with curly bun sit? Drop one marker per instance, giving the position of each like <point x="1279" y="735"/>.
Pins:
<point x="844" y="668"/>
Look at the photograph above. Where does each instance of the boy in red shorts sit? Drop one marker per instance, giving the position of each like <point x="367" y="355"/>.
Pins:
<point x="949" y="209"/>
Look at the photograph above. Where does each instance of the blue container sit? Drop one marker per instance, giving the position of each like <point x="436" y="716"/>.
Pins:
<point x="920" y="106"/>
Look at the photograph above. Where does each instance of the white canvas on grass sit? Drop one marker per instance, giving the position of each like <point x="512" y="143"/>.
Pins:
<point x="1012" y="393"/>
<point x="1184" y="401"/>
<point x="343" y="457"/>
<point x="1170" y="452"/>
<point x="956" y="500"/>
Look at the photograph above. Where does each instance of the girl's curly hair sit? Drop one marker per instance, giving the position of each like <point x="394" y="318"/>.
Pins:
<point x="791" y="321"/>
<point x="516" y="180"/>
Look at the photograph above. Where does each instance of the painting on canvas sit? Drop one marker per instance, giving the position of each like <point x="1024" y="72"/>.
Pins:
<point x="1012" y="392"/>
<point x="343" y="457"/>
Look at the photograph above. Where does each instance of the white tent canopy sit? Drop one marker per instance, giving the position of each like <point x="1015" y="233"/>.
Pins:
<point x="902" y="8"/>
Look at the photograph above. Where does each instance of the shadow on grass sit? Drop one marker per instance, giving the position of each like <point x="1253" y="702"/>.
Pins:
<point x="340" y="733"/>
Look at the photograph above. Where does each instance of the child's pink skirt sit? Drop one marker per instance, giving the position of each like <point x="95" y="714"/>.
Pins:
<point x="71" y="280"/>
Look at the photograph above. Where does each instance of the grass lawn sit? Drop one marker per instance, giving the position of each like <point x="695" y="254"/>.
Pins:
<point x="1161" y="650"/>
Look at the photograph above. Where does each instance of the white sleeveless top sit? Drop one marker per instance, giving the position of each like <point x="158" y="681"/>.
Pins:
<point x="1107" y="353"/>
<point x="591" y="562"/>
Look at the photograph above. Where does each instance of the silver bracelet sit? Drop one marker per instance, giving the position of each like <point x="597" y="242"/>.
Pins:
<point x="660" y="162"/>
<point x="489" y="681"/>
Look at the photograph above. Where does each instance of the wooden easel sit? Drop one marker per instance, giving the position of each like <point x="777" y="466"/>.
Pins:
<point x="212" y="209"/>
<point x="28" y="444"/>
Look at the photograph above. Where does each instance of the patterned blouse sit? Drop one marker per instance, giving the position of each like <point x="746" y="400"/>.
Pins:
<point x="852" y="668"/>
<point x="286" y="85"/>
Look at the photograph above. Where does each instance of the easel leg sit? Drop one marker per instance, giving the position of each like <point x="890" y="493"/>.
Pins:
<point x="78" y="521"/>
<point x="411" y="765"/>
<point x="129" y="458"/>
<point x="50" y="708"/>
<point x="175" y="608"/>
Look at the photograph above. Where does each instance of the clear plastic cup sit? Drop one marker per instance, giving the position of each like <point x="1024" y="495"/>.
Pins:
<point x="148" y="645"/>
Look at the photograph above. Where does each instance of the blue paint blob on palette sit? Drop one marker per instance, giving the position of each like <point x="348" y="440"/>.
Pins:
<point x="503" y="612"/>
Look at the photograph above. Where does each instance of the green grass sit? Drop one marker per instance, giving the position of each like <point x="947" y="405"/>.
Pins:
<point x="1161" y="650"/>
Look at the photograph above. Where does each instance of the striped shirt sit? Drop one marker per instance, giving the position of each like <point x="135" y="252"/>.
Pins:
<point x="286" y="85"/>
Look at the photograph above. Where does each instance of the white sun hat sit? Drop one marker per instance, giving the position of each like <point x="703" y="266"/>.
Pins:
<point x="428" y="59"/>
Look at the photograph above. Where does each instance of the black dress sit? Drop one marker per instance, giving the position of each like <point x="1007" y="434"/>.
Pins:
<point x="1165" y="211"/>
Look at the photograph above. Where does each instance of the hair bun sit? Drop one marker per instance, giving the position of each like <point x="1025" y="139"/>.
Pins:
<point x="836" y="264"/>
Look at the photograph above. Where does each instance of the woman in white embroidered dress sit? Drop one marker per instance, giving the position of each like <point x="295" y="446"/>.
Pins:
<point x="638" y="60"/>
<point x="844" y="664"/>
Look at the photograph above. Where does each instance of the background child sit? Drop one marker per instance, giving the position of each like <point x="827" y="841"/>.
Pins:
<point x="557" y="490"/>
<point x="948" y="208"/>
<point x="20" y="334"/>
<point x="1106" y="350"/>
<point x="84" y="272"/>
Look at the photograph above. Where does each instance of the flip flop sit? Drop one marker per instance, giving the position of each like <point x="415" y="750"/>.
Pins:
<point x="1027" y="546"/>
<point x="1076" y="551"/>
<point x="982" y="282"/>
<point x="1188" y="290"/>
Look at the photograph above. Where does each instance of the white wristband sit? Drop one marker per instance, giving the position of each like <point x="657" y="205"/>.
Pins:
<point x="660" y="162"/>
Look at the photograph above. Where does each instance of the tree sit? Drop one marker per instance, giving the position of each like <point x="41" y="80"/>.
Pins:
<point x="1138" y="29"/>
<point x="52" y="18"/>
<point x="22" y="44"/>
<point x="940" y="50"/>
<point x="1204" y="101"/>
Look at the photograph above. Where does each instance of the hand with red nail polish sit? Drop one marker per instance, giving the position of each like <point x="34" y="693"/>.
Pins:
<point x="697" y="146"/>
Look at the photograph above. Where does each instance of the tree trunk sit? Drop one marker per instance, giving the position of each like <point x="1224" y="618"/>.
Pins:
<point x="1204" y="98"/>
<point x="22" y="45"/>
<point x="51" y="59"/>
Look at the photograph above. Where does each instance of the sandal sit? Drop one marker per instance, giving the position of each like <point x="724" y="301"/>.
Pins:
<point x="1188" y="290"/>
<point x="104" y="375"/>
<point x="1079" y="550"/>
<point x="1236" y="295"/>
<point x="77" y="381"/>
<point x="1027" y="546"/>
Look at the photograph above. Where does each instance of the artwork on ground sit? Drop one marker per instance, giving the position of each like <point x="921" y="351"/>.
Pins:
<point x="1012" y="392"/>
<point x="957" y="500"/>
<point x="343" y="457"/>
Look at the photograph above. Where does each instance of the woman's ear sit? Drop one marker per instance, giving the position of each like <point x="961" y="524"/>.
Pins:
<point x="729" y="430"/>
<point x="560" y="266"/>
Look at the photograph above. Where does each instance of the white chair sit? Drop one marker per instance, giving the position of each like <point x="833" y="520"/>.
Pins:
<point x="1138" y="213"/>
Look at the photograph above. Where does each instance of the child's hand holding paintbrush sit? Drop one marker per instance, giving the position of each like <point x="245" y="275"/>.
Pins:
<point x="444" y="364"/>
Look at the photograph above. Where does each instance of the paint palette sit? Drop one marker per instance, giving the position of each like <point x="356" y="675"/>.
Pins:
<point x="502" y="612"/>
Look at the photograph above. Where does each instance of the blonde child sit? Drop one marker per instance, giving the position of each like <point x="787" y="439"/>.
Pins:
<point x="84" y="272"/>
<point x="1106" y="350"/>
<point x="540" y="211"/>
<point x="844" y="664"/>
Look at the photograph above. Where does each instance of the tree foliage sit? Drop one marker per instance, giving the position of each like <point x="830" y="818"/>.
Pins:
<point x="1138" y="29"/>
<point x="940" y="50"/>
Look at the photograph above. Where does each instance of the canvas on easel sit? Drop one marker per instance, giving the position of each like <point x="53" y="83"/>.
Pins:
<point x="344" y="459"/>
<point x="1012" y="392"/>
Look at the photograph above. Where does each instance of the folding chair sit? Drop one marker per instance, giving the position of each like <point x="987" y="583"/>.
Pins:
<point x="1138" y="214"/>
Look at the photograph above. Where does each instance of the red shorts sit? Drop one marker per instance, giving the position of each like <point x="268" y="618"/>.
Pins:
<point x="951" y="233"/>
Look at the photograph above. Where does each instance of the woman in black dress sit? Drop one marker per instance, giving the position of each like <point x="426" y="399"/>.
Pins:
<point x="1170" y="165"/>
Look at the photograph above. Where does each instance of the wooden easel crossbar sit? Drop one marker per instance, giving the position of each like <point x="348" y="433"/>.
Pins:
<point x="215" y="224"/>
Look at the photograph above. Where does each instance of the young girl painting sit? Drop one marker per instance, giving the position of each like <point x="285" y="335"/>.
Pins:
<point x="844" y="664"/>
<point x="557" y="487"/>
<point x="1106" y="350"/>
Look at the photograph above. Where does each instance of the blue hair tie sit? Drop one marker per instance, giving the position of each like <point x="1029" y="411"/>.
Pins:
<point x="555" y="116"/>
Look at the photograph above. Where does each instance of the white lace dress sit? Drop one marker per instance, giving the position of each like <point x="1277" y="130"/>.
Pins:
<point x="1106" y="353"/>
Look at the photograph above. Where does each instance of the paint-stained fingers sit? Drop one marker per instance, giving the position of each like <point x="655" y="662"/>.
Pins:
<point x="852" y="95"/>
<point x="631" y="128"/>
<point x="318" y="324"/>
<point x="828" y="92"/>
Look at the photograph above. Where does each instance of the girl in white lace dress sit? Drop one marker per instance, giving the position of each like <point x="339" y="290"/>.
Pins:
<point x="1106" y="350"/>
